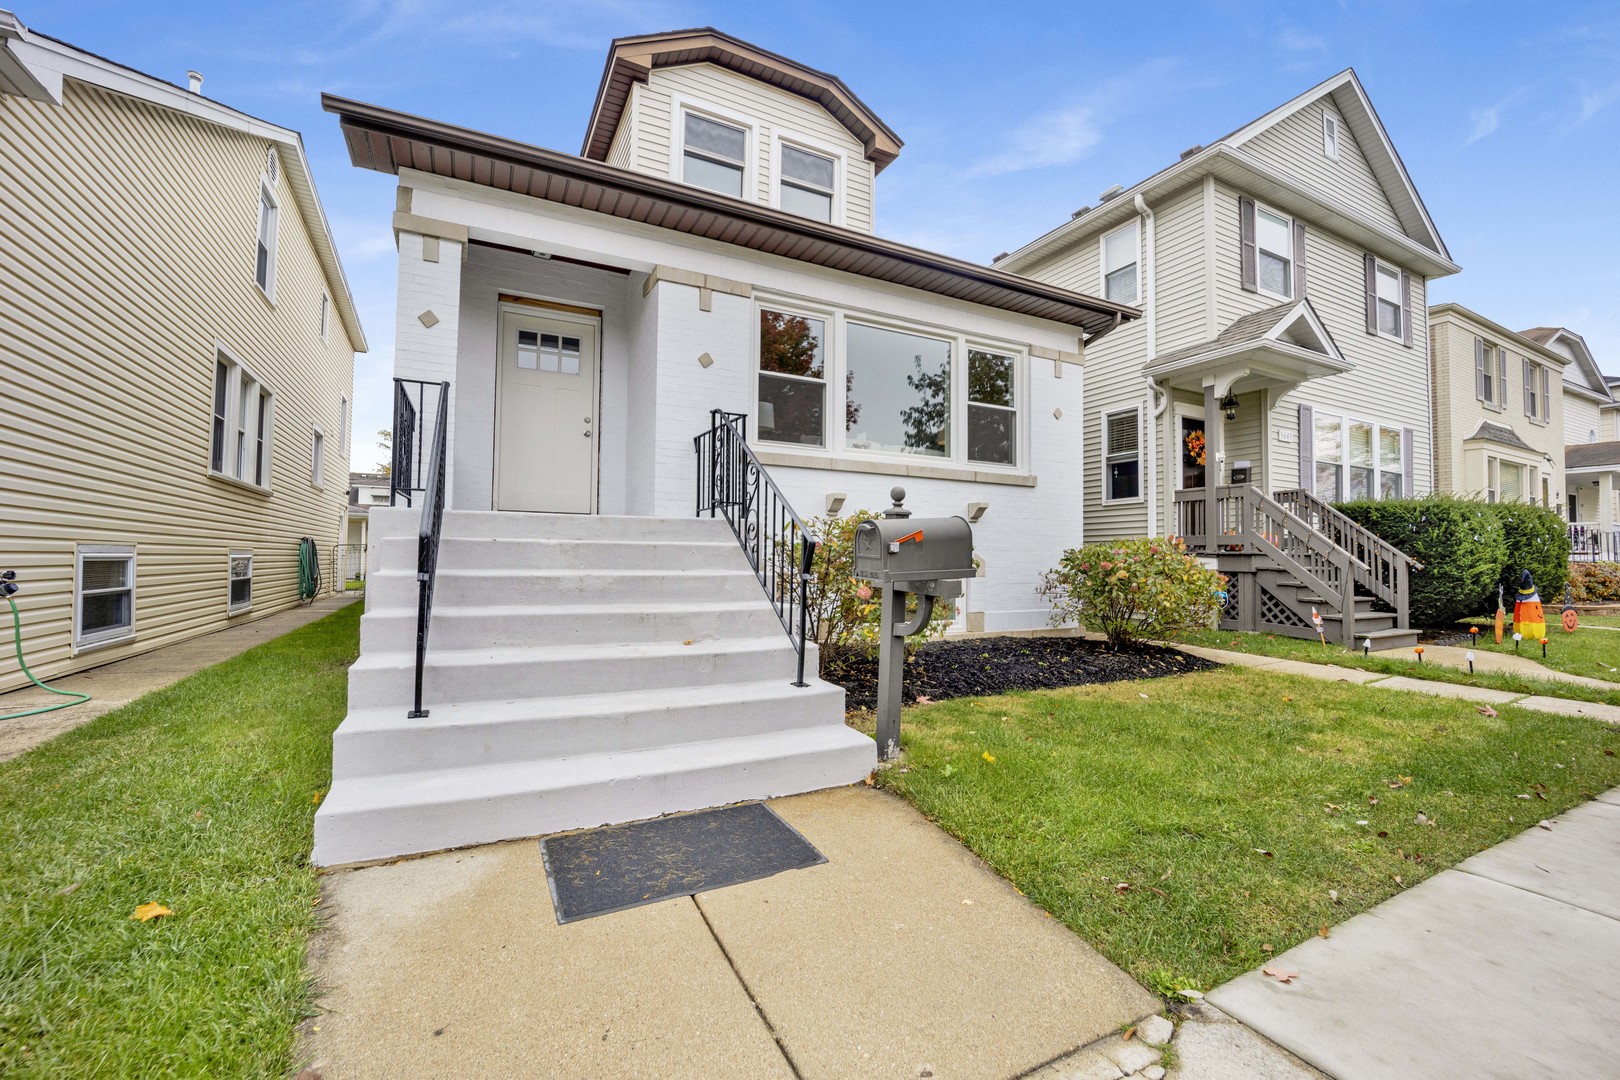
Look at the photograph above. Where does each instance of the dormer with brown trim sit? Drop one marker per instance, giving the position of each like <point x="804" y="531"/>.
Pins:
<point x="703" y="108"/>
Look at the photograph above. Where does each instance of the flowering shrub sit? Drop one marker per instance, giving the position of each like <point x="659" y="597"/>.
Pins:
<point x="1593" y="583"/>
<point x="844" y="611"/>
<point x="1133" y="589"/>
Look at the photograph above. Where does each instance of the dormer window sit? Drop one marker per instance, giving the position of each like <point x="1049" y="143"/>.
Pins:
<point x="715" y="155"/>
<point x="1330" y="135"/>
<point x="806" y="183"/>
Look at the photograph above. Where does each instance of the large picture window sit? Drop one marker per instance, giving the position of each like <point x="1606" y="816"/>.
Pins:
<point x="1357" y="459"/>
<point x="792" y="378"/>
<point x="899" y="392"/>
<point x="992" y="412"/>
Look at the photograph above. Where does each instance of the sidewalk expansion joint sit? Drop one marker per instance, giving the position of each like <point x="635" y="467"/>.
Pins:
<point x="752" y="1000"/>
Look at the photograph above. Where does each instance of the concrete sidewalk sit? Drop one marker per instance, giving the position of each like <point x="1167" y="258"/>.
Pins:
<point x="1478" y="694"/>
<point x="901" y="956"/>
<point x="1503" y="966"/>
<point x="122" y="681"/>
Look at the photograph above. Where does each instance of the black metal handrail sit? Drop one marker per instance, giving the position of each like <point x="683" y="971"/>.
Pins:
<point x="427" y="536"/>
<point x="731" y="483"/>
<point x="405" y="466"/>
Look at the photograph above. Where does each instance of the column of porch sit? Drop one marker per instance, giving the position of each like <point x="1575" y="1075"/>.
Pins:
<point x="426" y="324"/>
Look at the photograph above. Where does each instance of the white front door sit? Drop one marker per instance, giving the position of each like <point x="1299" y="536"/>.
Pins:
<point x="545" y="415"/>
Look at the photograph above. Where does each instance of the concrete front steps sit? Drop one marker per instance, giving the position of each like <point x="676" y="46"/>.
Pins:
<point x="580" y="670"/>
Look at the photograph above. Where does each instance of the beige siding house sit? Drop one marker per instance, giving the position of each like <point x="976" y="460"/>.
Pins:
<point x="1282" y="270"/>
<point x="1591" y="444"/>
<point x="176" y="358"/>
<point x="1498" y="410"/>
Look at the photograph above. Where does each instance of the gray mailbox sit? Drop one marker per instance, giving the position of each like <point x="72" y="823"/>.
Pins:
<point x="922" y="557"/>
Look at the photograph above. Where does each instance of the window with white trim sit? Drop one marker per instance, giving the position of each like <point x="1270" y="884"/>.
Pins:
<point x="1122" y="466"/>
<point x="898" y="391"/>
<point x="264" y="260"/>
<point x="243" y="417"/>
<point x="805" y="186"/>
<point x="239" y="596"/>
<point x="317" y="457"/>
<point x="792" y="378"/>
<point x="992" y="411"/>
<point x="1274" y="243"/>
<point x="1537" y="401"/>
<point x="1390" y="308"/>
<point x="714" y="154"/>
<point x="1357" y="459"/>
<point x="1120" y="258"/>
<point x="1491" y="374"/>
<point x="104" y="594"/>
<point x="1330" y="135"/>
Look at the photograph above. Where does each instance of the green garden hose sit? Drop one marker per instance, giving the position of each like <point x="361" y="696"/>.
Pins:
<point x="309" y="570"/>
<point x="79" y="699"/>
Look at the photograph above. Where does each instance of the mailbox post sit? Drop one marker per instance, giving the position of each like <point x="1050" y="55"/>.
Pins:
<point x="922" y="557"/>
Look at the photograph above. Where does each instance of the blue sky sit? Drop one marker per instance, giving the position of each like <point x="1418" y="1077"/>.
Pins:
<point x="1013" y="114"/>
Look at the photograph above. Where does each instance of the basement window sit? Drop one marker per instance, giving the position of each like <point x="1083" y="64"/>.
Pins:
<point x="240" y="597"/>
<point x="104" y="604"/>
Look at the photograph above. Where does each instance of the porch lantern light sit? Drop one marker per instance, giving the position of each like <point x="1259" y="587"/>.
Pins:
<point x="1230" y="404"/>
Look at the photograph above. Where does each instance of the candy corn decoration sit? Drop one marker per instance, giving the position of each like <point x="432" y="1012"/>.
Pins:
<point x="1528" y="618"/>
<point x="1316" y="621"/>
<point x="1501" y="615"/>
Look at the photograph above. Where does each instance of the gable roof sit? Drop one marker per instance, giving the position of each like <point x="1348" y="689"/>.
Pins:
<point x="387" y="141"/>
<point x="1292" y="333"/>
<point x="1525" y="342"/>
<point x="1416" y="244"/>
<point x="1597" y="384"/>
<point x="631" y="59"/>
<point x="47" y="61"/>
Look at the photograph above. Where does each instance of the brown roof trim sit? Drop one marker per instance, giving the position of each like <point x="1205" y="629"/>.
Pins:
<point x="387" y="141"/>
<point x="631" y="59"/>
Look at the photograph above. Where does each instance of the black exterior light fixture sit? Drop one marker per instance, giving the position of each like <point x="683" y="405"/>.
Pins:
<point x="1230" y="404"/>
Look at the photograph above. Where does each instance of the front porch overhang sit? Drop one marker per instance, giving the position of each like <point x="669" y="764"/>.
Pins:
<point x="1246" y="367"/>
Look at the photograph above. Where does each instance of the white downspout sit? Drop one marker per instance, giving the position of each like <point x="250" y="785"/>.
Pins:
<point x="1156" y="396"/>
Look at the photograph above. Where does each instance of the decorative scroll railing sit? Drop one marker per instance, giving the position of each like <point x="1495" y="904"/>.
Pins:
<point x="427" y="535"/>
<point x="731" y="483"/>
<point x="1593" y="543"/>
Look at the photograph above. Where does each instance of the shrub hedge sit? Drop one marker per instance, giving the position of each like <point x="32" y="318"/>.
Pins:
<point x="1468" y="547"/>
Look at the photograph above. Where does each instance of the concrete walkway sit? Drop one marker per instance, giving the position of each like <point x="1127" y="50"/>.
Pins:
<point x="1503" y="966"/>
<point x="1478" y="694"/>
<point x="122" y="681"/>
<point x="901" y="956"/>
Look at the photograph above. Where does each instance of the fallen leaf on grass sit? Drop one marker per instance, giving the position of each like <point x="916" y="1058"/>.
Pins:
<point x="316" y="798"/>
<point x="1398" y="880"/>
<point x="1333" y="895"/>
<point x="1263" y="851"/>
<point x="1545" y="824"/>
<point x="1166" y="875"/>
<point x="924" y="699"/>
<point x="1484" y="710"/>
<point x="1159" y="892"/>
<point x="1282" y="975"/>
<point x="1322" y="932"/>
<point x="1123" y="887"/>
<point x="70" y="889"/>
<point x="988" y="756"/>
<point x="1144" y="697"/>
<point x="1269" y="948"/>
<point x="1422" y="819"/>
<point x="870" y="781"/>
<point x="148" y="912"/>
<point x="1372" y="800"/>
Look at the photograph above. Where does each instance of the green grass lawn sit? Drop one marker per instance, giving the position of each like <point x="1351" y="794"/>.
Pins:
<point x="1229" y="801"/>
<point x="1601" y="620"/>
<point x="1597" y="656"/>
<point x="198" y="797"/>
<point x="1403" y="662"/>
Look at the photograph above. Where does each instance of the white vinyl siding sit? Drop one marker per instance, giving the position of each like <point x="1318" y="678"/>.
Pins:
<point x="775" y="115"/>
<point x="128" y="257"/>
<point x="1294" y="144"/>
<point x="104" y="595"/>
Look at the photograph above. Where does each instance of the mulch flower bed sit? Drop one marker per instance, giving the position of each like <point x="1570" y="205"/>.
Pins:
<point x="984" y="666"/>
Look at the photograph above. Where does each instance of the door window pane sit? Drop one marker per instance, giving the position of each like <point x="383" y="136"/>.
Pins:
<point x="899" y="388"/>
<point x="528" y="349"/>
<point x="1194" y="452"/>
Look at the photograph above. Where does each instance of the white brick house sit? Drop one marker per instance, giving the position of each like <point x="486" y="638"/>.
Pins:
<point x="710" y="249"/>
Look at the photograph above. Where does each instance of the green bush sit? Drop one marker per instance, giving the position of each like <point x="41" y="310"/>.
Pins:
<point x="843" y="611"/>
<point x="1595" y="582"/>
<point x="1459" y="542"/>
<point x="1537" y="541"/>
<point x="1131" y="590"/>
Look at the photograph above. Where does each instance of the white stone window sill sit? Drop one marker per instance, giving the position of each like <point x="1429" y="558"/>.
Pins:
<point x="790" y="460"/>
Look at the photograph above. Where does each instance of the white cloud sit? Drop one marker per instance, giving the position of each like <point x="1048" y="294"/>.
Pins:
<point x="1059" y="137"/>
<point x="1594" y="103"/>
<point x="1485" y="121"/>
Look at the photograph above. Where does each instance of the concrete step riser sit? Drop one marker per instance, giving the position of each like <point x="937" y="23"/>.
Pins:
<point x="416" y="749"/>
<point x="542" y="677"/>
<point x="503" y="526"/>
<point x="385" y="833"/>
<point x="579" y="555"/>
<point x="398" y="591"/>
<point x="394" y="630"/>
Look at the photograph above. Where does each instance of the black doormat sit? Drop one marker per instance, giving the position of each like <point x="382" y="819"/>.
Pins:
<point x="624" y="866"/>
